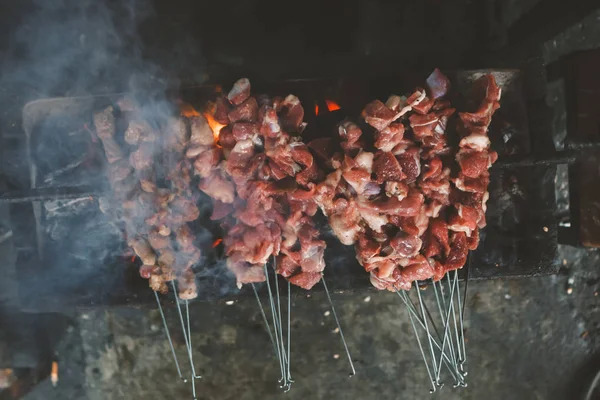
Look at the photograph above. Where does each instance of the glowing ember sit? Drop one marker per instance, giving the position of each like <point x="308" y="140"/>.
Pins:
<point x="54" y="373"/>
<point x="188" y="111"/>
<point x="6" y="378"/>
<point x="332" y="105"/>
<point x="217" y="242"/>
<point x="132" y="258"/>
<point x="316" y="109"/>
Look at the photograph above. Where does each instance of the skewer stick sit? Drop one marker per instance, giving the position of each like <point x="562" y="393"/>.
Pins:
<point x="447" y="307"/>
<point x="189" y="333"/>
<point x="446" y="320"/>
<point x="461" y="318"/>
<point x="437" y="383"/>
<point x="265" y="320"/>
<point x="412" y="310"/>
<point x="185" y="337"/>
<point x="339" y="326"/>
<point x="289" y="330"/>
<point x="452" y="310"/>
<point x="442" y="310"/>
<point x="450" y="364"/>
<point x="279" y="355"/>
<point x="410" y="306"/>
<point x="162" y="315"/>
<point x="412" y="322"/>
<point x="280" y="327"/>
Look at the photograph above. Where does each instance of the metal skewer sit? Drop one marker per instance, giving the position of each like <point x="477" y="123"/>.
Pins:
<point x="273" y="315"/>
<point x="339" y="326"/>
<point x="285" y="384"/>
<point x="445" y="350"/>
<point x="162" y="315"/>
<point x="452" y="310"/>
<point x="289" y="330"/>
<point x="185" y="337"/>
<point x="445" y="312"/>
<point x="461" y="318"/>
<point x="446" y="319"/>
<point x="412" y="311"/>
<point x="442" y="310"/>
<point x="265" y="320"/>
<point x="412" y="322"/>
<point x="189" y="333"/>
<point x="431" y="350"/>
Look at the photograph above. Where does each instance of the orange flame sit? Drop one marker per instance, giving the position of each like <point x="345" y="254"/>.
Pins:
<point x="214" y="124"/>
<point x="54" y="373"/>
<point x="217" y="242"/>
<point x="188" y="111"/>
<point x="316" y="109"/>
<point x="332" y="105"/>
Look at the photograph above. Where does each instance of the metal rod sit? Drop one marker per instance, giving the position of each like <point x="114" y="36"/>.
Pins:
<point x="279" y="325"/>
<point x="164" y="320"/>
<point x="412" y="322"/>
<point x="452" y="310"/>
<point x="185" y="337"/>
<point x="442" y="311"/>
<point x="404" y="297"/>
<point x="437" y="383"/>
<point x="279" y="355"/>
<point x="446" y="319"/>
<point x="289" y="334"/>
<point x="189" y="333"/>
<point x="265" y="320"/>
<point x="338" y="325"/>
<point x="462" y="328"/>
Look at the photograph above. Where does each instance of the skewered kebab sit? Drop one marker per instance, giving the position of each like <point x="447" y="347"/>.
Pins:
<point x="410" y="212"/>
<point x="261" y="177"/>
<point x="392" y="202"/>
<point x="155" y="216"/>
<point x="396" y="203"/>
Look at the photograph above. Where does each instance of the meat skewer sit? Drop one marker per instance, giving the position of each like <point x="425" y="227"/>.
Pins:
<point x="437" y="216"/>
<point x="263" y="177"/>
<point x="410" y="204"/>
<point x="155" y="214"/>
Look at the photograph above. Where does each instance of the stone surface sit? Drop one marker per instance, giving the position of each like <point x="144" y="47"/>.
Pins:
<point x="525" y="340"/>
